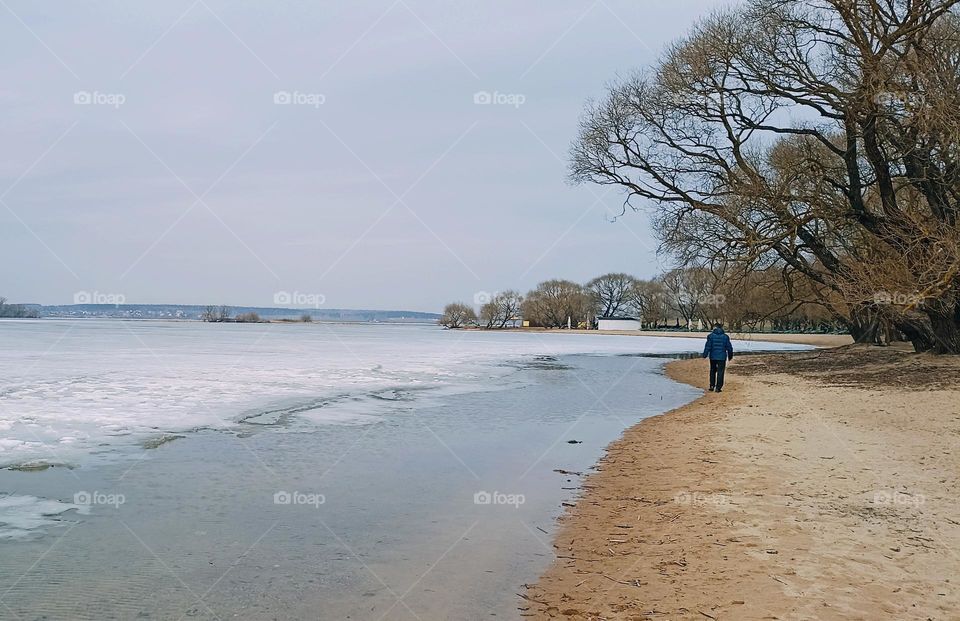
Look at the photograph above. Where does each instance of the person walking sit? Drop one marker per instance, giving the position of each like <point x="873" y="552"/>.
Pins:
<point x="719" y="349"/>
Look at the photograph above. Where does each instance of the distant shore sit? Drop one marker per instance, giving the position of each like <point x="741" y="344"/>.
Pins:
<point x="818" y="340"/>
<point x="818" y="485"/>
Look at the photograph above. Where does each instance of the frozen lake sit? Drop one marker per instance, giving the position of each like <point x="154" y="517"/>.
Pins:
<point x="299" y="471"/>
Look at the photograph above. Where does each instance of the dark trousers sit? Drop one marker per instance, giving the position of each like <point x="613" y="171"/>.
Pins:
<point x="717" y="368"/>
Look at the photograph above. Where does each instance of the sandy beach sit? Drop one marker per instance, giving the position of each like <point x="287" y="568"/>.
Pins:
<point x="819" y="485"/>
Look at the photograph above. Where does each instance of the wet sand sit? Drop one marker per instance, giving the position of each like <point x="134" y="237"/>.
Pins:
<point x="819" y="485"/>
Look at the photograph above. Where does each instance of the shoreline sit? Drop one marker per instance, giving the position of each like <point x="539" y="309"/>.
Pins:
<point x="817" y="485"/>
<point x="818" y="340"/>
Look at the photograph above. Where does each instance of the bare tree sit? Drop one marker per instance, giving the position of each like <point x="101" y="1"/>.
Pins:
<point x="457" y="315"/>
<point x="689" y="292"/>
<point x="611" y="293"/>
<point x="509" y="305"/>
<point x="502" y="309"/>
<point x="816" y="137"/>
<point x="554" y="303"/>
<point x="648" y="301"/>
<point x="215" y="314"/>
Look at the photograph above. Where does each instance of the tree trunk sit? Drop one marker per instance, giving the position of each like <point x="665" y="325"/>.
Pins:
<point x="867" y="332"/>
<point x="945" y="330"/>
<point x="917" y="329"/>
<point x="867" y="326"/>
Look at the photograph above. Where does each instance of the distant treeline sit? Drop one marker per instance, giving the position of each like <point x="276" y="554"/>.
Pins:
<point x="688" y="298"/>
<point x="194" y="311"/>
<point x="16" y="311"/>
<point x="222" y="314"/>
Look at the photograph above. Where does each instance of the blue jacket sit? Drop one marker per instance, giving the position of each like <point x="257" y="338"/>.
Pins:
<point x="718" y="346"/>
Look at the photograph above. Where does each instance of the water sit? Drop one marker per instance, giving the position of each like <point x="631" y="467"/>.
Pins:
<point x="298" y="471"/>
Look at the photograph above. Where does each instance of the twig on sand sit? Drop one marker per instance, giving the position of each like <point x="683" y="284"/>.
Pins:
<point x="619" y="581"/>
<point x="706" y="615"/>
<point x="531" y="599"/>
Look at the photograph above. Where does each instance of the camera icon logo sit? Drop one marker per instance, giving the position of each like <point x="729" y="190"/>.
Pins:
<point x="482" y="98"/>
<point x="282" y="97"/>
<point x="883" y="297"/>
<point x="482" y="297"/>
<point x="82" y="98"/>
<point x="482" y="498"/>
<point x="82" y="498"/>
<point x="282" y="498"/>
<point x="282" y="297"/>
<point x="82" y="297"/>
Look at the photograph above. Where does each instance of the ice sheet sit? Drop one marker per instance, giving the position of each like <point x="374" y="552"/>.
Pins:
<point x="78" y="390"/>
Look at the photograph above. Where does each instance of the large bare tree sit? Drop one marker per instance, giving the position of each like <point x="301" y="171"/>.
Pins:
<point x="555" y="302"/>
<point x="815" y="137"/>
<point x="611" y="293"/>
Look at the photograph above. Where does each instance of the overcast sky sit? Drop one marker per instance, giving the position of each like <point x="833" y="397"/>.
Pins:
<point x="206" y="151"/>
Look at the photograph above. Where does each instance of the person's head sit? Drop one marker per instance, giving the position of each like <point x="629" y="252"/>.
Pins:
<point x="718" y="326"/>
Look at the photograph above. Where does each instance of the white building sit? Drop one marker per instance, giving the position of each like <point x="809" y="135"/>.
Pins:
<point x="618" y="323"/>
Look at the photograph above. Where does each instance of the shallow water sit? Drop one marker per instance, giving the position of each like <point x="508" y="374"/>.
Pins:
<point x="372" y="509"/>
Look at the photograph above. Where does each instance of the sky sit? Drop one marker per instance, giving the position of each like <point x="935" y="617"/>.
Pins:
<point x="394" y="154"/>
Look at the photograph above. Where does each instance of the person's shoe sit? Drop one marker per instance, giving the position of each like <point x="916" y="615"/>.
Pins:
<point x="711" y="389"/>
<point x="718" y="390"/>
